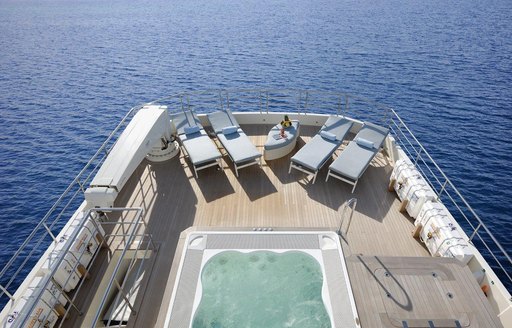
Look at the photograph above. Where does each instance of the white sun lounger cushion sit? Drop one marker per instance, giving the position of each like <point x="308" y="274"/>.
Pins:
<point x="222" y="119"/>
<point x="337" y="125"/>
<point x="239" y="147"/>
<point x="229" y="129"/>
<point x="355" y="158"/>
<point x="365" y="143"/>
<point x="236" y="143"/>
<point x="373" y="133"/>
<point x="327" y="135"/>
<point x="192" y="129"/>
<point x="318" y="150"/>
<point x="315" y="153"/>
<point x="182" y="121"/>
<point x="353" y="161"/>
<point x="200" y="147"/>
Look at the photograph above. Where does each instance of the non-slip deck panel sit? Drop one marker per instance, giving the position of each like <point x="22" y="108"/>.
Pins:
<point x="263" y="241"/>
<point x="182" y="311"/>
<point x="338" y="291"/>
<point x="391" y="290"/>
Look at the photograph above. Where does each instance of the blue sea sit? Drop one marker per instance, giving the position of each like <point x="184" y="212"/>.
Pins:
<point x="69" y="70"/>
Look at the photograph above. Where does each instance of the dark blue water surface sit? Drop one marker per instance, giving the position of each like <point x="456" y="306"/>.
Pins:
<point x="69" y="70"/>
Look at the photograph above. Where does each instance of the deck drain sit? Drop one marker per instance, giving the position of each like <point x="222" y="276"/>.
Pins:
<point x="450" y="295"/>
<point x="434" y="274"/>
<point x="386" y="274"/>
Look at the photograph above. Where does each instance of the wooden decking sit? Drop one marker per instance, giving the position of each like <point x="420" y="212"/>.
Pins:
<point x="392" y="290"/>
<point x="175" y="200"/>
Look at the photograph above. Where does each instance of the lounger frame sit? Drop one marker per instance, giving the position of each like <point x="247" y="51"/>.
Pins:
<point x="349" y="180"/>
<point x="232" y="122"/>
<point x="312" y="172"/>
<point x="249" y="163"/>
<point x="306" y="170"/>
<point x="204" y="165"/>
<point x="345" y="179"/>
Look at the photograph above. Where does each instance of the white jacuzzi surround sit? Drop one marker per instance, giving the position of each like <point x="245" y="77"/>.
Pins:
<point x="327" y="240"/>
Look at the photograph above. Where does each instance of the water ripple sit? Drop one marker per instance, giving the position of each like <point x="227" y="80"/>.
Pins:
<point x="69" y="71"/>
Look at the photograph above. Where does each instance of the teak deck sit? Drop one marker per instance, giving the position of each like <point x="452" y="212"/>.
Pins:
<point x="379" y="236"/>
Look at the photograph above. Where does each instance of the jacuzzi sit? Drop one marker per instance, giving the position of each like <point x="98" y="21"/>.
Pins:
<point x="262" y="278"/>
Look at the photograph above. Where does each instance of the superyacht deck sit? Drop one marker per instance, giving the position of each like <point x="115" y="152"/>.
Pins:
<point x="378" y="246"/>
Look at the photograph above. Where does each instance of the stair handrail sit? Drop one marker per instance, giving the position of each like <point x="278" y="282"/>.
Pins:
<point x="351" y="203"/>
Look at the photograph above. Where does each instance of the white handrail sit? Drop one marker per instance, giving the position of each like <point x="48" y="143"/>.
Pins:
<point x="351" y="203"/>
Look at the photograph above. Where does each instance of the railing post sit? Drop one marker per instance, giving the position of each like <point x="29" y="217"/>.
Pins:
<point x="126" y="299"/>
<point x="474" y="232"/>
<point x="299" y="102"/>
<point x="267" y="102"/>
<point x="442" y="190"/>
<point x="50" y="232"/>
<point x="4" y="290"/>
<point x="417" y="157"/>
<point x="227" y="99"/>
<point x="259" y="101"/>
<point x="346" y="103"/>
<point x="388" y="115"/>
<point x="306" y="103"/>
<point x="348" y="204"/>
<point x="80" y="185"/>
<point x="220" y="100"/>
<point x="339" y="105"/>
<point x="63" y="293"/>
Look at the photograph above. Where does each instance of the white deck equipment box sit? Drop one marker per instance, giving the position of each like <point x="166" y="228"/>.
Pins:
<point x="81" y="251"/>
<point x="402" y="165"/>
<point x="100" y="196"/>
<point x="43" y="314"/>
<point x="147" y="128"/>
<point x="441" y="234"/>
<point x="418" y="194"/>
<point x="411" y="188"/>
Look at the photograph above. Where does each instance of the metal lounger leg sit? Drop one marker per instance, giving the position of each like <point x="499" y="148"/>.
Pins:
<point x="354" y="188"/>
<point x="328" y="174"/>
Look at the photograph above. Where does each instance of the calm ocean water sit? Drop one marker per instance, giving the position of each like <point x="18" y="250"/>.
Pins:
<point x="69" y="70"/>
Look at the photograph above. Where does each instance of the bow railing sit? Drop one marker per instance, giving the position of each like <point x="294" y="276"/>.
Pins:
<point x="301" y="102"/>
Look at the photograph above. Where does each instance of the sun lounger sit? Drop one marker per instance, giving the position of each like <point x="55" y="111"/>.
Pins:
<point x="355" y="159"/>
<point x="200" y="149"/>
<point x="310" y="158"/>
<point x="238" y="146"/>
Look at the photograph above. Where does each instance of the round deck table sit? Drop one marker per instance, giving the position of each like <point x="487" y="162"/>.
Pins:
<point x="276" y="146"/>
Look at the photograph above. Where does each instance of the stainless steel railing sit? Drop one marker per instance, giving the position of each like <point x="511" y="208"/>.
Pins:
<point x="43" y="234"/>
<point x="302" y="102"/>
<point x="133" y="235"/>
<point x="349" y="204"/>
<point x="479" y="234"/>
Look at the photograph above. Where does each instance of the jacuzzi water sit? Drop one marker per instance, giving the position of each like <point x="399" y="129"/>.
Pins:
<point x="261" y="289"/>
